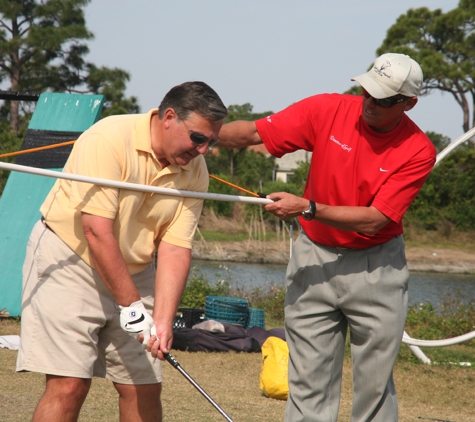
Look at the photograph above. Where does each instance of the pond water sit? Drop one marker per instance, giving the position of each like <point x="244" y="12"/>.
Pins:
<point x="423" y="287"/>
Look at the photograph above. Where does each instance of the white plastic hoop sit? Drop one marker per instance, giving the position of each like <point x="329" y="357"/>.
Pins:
<point x="438" y="343"/>
<point x="414" y="343"/>
<point x="134" y="186"/>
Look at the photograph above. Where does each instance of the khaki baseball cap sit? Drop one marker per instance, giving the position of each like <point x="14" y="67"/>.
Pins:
<point x="392" y="74"/>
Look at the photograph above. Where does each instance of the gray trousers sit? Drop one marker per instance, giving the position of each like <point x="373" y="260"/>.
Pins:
<point x="328" y="290"/>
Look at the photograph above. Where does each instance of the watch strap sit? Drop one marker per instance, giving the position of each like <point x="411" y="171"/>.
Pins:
<point x="310" y="213"/>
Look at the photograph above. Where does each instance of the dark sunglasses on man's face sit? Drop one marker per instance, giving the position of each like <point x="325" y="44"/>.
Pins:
<point x="385" y="102"/>
<point x="199" y="138"/>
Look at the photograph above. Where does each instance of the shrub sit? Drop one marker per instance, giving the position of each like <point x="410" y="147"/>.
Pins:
<point x="270" y="299"/>
<point x="198" y="287"/>
<point x="451" y="318"/>
<point x="448" y="193"/>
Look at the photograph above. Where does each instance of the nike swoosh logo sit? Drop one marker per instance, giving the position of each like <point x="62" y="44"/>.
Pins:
<point x="381" y="169"/>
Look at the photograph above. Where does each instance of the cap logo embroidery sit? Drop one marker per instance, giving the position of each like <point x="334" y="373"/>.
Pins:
<point x="381" y="70"/>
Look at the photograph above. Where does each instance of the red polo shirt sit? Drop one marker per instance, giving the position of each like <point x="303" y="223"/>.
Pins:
<point x="351" y="164"/>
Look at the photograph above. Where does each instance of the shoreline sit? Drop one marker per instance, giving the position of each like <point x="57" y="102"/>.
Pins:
<point x="419" y="259"/>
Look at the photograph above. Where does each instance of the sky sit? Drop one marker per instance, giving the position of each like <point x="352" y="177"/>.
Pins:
<point x="269" y="53"/>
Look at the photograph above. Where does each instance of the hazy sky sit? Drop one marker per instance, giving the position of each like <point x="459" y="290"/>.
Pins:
<point x="270" y="53"/>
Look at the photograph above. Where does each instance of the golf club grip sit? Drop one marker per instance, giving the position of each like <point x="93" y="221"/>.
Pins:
<point x="177" y="366"/>
<point x="171" y="359"/>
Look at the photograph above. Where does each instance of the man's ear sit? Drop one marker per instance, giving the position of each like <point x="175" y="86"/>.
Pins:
<point x="168" y="117"/>
<point x="409" y="105"/>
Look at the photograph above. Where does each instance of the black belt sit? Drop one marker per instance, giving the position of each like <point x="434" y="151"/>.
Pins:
<point x="46" y="225"/>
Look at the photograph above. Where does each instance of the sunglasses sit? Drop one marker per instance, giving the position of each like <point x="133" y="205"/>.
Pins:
<point x="199" y="138"/>
<point x="385" y="102"/>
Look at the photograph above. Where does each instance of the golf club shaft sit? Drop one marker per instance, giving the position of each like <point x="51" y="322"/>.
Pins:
<point x="176" y="365"/>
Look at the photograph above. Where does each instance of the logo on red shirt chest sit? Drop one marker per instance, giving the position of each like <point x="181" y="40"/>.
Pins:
<point x="344" y="146"/>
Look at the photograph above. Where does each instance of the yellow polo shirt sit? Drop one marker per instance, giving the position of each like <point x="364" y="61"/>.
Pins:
<point x="119" y="148"/>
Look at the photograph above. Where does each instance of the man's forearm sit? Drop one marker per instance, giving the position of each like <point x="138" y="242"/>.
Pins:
<point x="108" y="260"/>
<point x="358" y="219"/>
<point x="239" y="134"/>
<point x="173" y="266"/>
<point x="350" y="218"/>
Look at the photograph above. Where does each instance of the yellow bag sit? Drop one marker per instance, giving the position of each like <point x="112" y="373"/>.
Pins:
<point x="275" y="361"/>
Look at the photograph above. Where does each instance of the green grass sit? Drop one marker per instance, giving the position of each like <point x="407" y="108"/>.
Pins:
<point x="223" y="236"/>
<point x="218" y="228"/>
<point x="442" y="390"/>
<point x="445" y="238"/>
<point x="232" y="380"/>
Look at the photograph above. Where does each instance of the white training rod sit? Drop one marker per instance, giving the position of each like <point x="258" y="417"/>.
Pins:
<point x="465" y="137"/>
<point x="413" y="343"/>
<point x="418" y="353"/>
<point x="133" y="186"/>
<point x="291" y="236"/>
<point x="438" y="343"/>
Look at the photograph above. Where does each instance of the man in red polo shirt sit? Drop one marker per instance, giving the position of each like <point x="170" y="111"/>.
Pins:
<point x="348" y="267"/>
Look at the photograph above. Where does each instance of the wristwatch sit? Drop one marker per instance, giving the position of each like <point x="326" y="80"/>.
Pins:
<point x="310" y="213"/>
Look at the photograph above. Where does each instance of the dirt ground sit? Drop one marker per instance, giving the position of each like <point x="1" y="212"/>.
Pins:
<point x="419" y="258"/>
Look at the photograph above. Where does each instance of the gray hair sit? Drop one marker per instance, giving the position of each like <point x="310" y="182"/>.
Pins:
<point x="194" y="97"/>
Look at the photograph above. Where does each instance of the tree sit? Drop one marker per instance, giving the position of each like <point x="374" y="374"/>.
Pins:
<point x="254" y="170"/>
<point x="9" y="142"/>
<point x="299" y="178"/>
<point x="244" y="112"/>
<point x="444" y="46"/>
<point x="448" y="194"/>
<point x="111" y="83"/>
<point x="223" y="208"/>
<point x="42" y="48"/>
<point x="440" y="141"/>
<point x="235" y="112"/>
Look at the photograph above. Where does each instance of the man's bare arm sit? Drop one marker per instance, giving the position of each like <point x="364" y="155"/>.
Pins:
<point x="239" y="134"/>
<point x="173" y="265"/>
<point x="357" y="219"/>
<point x="108" y="260"/>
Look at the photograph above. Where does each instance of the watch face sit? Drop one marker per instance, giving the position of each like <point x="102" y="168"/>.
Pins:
<point x="310" y="213"/>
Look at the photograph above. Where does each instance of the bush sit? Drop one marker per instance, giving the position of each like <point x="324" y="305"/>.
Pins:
<point x="271" y="299"/>
<point x="198" y="287"/>
<point x="448" y="194"/>
<point x="451" y="318"/>
<point x="223" y="208"/>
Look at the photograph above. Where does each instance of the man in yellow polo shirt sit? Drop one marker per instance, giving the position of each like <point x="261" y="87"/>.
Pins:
<point x="89" y="282"/>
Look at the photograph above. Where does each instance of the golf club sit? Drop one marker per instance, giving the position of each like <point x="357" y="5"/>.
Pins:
<point x="176" y="365"/>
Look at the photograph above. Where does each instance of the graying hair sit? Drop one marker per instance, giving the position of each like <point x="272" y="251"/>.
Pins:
<point x="194" y="97"/>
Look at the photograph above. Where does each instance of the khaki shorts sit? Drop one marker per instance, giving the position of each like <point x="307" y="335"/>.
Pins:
<point x="70" y="321"/>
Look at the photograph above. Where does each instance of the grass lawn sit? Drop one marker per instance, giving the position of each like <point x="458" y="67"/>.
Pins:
<point x="440" y="392"/>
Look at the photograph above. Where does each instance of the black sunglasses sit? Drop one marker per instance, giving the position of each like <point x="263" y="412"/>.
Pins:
<point x="385" y="102"/>
<point x="199" y="138"/>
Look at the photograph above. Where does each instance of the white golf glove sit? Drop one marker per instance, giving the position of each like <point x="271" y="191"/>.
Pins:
<point x="135" y="320"/>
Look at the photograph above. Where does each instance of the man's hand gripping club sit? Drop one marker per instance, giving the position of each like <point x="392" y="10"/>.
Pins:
<point x="136" y="321"/>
